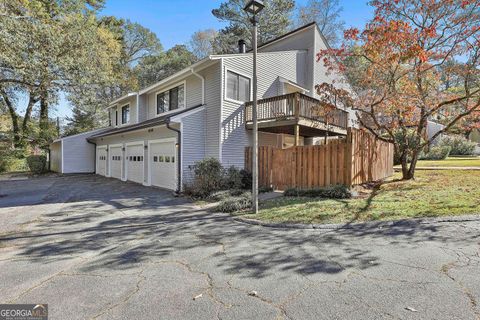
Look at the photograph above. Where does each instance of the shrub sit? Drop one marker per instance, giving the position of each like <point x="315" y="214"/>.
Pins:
<point x="232" y="179"/>
<point x="10" y="162"/>
<point x="208" y="178"/>
<point x="459" y="145"/>
<point x="37" y="164"/>
<point x="436" y="153"/>
<point x="246" y="179"/>
<point x="234" y="204"/>
<point x="332" y="192"/>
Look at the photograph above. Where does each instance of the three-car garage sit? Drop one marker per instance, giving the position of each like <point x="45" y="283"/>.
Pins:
<point x="152" y="163"/>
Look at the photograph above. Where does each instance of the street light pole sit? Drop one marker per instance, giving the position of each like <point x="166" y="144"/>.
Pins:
<point x="255" y="121"/>
<point x="254" y="7"/>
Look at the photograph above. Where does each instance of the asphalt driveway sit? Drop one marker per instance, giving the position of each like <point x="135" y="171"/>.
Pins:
<point x="97" y="248"/>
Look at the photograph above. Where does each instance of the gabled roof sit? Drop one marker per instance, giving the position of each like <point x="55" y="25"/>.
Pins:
<point x="287" y="34"/>
<point x="158" y="121"/>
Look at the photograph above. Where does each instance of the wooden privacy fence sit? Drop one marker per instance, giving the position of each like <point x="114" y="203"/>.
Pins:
<point x="355" y="160"/>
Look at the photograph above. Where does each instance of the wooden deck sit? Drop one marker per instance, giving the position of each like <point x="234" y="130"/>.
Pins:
<point x="296" y="113"/>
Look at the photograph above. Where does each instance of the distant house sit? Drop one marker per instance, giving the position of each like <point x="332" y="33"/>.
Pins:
<point x="156" y="134"/>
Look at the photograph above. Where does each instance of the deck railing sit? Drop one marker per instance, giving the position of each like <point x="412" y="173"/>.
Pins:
<point x="295" y="106"/>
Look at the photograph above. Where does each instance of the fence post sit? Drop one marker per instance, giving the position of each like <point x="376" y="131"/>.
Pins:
<point x="349" y="145"/>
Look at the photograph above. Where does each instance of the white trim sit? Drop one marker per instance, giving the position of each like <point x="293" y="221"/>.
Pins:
<point x="178" y="84"/>
<point x="220" y="125"/>
<point x="178" y="74"/>
<point x="225" y="83"/>
<point x="179" y="117"/>
<point x="121" y="115"/>
<point x="110" y="146"/>
<point x="116" y="125"/>
<point x="164" y="140"/>
<point x="203" y="84"/>
<point x="288" y="36"/>
<point x="248" y="54"/>
<point x="128" y="95"/>
<point x="180" y="187"/>
<point x="135" y="143"/>
<point x="138" y="108"/>
<point x="61" y="160"/>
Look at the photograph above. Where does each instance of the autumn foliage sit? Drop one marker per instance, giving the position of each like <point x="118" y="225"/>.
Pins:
<point x="397" y="70"/>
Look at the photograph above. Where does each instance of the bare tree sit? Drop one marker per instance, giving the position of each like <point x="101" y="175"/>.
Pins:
<point x="326" y="13"/>
<point x="201" y="43"/>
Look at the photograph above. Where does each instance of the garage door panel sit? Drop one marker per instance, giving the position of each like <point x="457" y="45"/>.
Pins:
<point x="134" y="160"/>
<point x="116" y="158"/>
<point x="163" y="165"/>
<point x="102" y="162"/>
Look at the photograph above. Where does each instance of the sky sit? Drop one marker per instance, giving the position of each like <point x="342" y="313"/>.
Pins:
<point x="174" y="21"/>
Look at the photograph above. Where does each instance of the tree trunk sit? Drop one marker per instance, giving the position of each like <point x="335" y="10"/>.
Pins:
<point x="404" y="162"/>
<point x="17" y="137"/>
<point x="28" y="114"/>
<point x="43" y="114"/>
<point x="413" y="166"/>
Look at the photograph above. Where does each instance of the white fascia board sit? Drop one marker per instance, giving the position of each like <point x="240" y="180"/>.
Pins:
<point x="128" y="95"/>
<point x="187" y="71"/>
<point x="242" y="55"/>
<point x="178" y="118"/>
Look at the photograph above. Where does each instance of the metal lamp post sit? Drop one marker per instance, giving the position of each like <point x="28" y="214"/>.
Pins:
<point x="254" y="7"/>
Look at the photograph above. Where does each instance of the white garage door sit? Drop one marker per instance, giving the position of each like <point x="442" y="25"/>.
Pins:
<point x="102" y="161"/>
<point x="116" y="162"/>
<point x="163" y="164"/>
<point x="134" y="159"/>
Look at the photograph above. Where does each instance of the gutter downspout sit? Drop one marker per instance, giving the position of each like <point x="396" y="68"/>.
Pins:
<point x="179" y="157"/>
<point x="95" y="156"/>
<point x="49" y="159"/>
<point x="203" y="84"/>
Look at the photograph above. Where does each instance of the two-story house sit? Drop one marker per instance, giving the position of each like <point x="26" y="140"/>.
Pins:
<point x="156" y="134"/>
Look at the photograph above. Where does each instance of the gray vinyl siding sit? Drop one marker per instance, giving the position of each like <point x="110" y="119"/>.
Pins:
<point x="321" y="75"/>
<point x="304" y="40"/>
<point x="143" y="111"/>
<point x="193" y="94"/>
<point x="235" y="137"/>
<point x="213" y="101"/>
<point x="56" y="157"/>
<point x="193" y="142"/>
<point x="132" y="103"/>
<point x="78" y="154"/>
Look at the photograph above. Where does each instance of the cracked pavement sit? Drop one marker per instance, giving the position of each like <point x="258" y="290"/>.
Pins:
<point x="97" y="248"/>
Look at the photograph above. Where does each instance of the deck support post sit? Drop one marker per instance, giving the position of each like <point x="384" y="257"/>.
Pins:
<point x="297" y="134"/>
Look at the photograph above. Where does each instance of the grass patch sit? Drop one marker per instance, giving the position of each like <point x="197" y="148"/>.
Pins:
<point x="432" y="194"/>
<point x="451" y="162"/>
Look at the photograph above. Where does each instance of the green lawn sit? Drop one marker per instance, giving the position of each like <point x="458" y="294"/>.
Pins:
<point x="451" y="162"/>
<point x="433" y="193"/>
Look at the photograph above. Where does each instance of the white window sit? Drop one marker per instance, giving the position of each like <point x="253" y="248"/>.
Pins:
<point x="125" y="114"/>
<point x="238" y="87"/>
<point x="171" y="99"/>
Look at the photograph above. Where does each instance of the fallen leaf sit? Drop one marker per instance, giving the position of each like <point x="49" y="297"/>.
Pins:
<point x="411" y="309"/>
<point x="198" y="297"/>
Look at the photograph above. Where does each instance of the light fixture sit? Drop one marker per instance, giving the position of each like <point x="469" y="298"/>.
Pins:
<point x="254" y="6"/>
